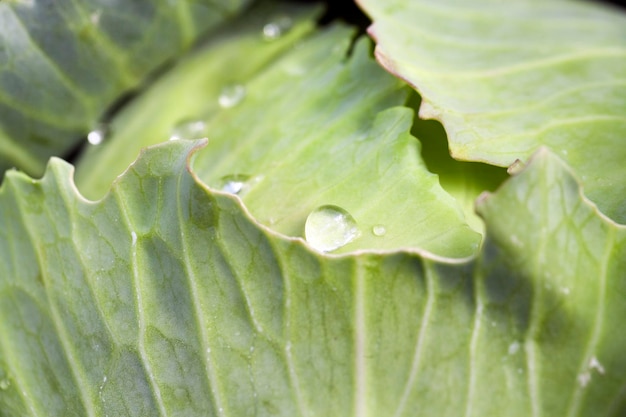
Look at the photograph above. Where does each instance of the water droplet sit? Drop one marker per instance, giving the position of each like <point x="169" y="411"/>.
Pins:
<point x="231" y="95"/>
<point x="133" y="236"/>
<point x="379" y="230"/>
<point x="594" y="363"/>
<point x="234" y="184"/>
<point x="188" y="130"/>
<point x="4" y="384"/>
<point x="277" y="27"/>
<point x="330" y="227"/>
<point x="97" y="135"/>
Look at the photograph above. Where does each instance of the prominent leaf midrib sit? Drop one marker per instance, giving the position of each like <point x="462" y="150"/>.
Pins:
<point x="421" y="336"/>
<point x="294" y="380"/>
<point x="209" y="373"/>
<point x="139" y="309"/>
<point x="360" y="340"/>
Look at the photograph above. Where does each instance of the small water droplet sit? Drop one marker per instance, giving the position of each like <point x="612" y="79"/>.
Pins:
<point x="594" y="363"/>
<point x="4" y="384"/>
<point x="330" y="227"/>
<point x="379" y="230"/>
<point x="277" y="27"/>
<point x="193" y="129"/>
<point x="234" y="184"/>
<point x="97" y="135"/>
<point x="133" y="236"/>
<point x="231" y="95"/>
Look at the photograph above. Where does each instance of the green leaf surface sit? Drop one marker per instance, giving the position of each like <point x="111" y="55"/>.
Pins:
<point x="505" y="78"/>
<point x="167" y="298"/>
<point x="63" y="63"/>
<point x="190" y="91"/>
<point x="364" y="160"/>
<point x="306" y="134"/>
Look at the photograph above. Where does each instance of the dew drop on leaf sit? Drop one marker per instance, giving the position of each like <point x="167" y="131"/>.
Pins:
<point x="193" y="129"/>
<point x="379" y="230"/>
<point x="97" y="135"/>
<point x="234" y="184"/>
<point x="277" y="27"/>
<point x="231" y="95"/>
<point x="329" y="227"/>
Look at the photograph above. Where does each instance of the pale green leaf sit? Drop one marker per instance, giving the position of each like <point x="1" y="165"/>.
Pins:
<point x="63" y="63"/>
<point x="305" y="134"/>
<point x="505" y="78"/>
<point x="166" y="298"/>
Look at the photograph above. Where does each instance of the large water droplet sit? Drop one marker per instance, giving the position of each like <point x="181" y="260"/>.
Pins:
<point x="188" y="130"/>
<point x="234" y="184"/>
<point x="277" y="27"/>
<point x="97" y="135"/>
<point x="231" y="95"/>
<point x="379" y="230"/>
<point x="330" y="227"/>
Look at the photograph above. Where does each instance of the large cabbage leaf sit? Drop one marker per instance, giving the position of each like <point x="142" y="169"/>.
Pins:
<point x="64" y="62"/>
<point x="167" y="298"/>
<point x="505" y="78"/>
